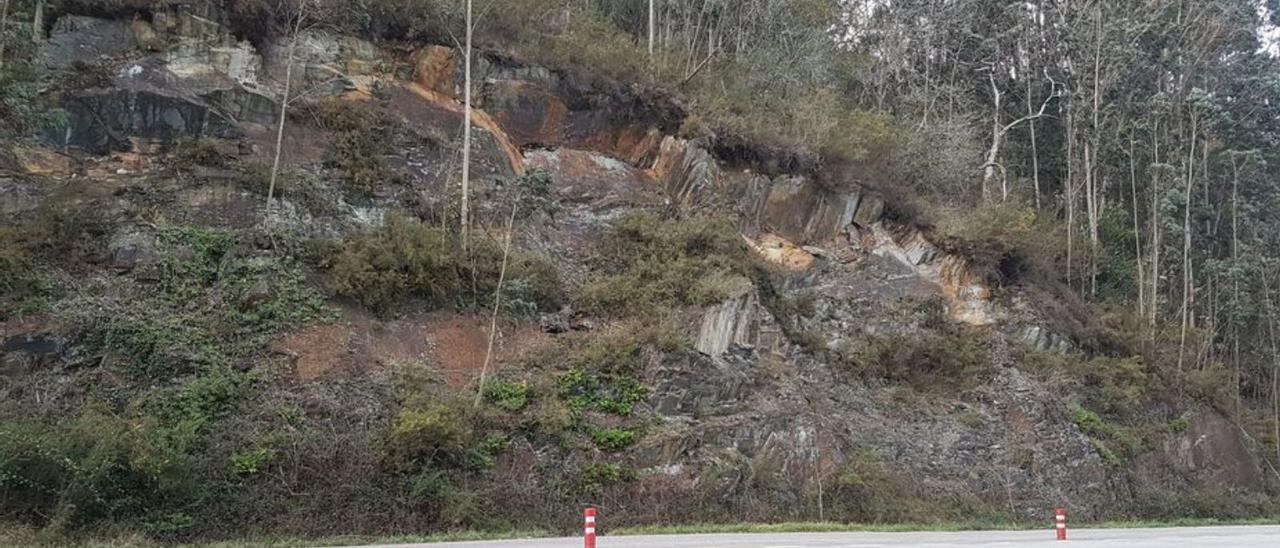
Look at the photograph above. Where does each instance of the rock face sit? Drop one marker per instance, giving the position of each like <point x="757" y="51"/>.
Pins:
<point x="324" y="63"/>
<point x="538" y="107"/>
<point x="434" y="67"/>
<point x="779" y="251"/>
<point x="77" y="39"/>
<point x="684" y="171"/>
<point x="196" y="89"/>
<point x="735" y="322"/>
<point x="969" y="299"/>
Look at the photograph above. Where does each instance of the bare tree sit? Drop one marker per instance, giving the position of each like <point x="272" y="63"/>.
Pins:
<point x="998" y="132"/>
<point x="466" y="135"/>
<point x="37" y="22"/>
<point x="497" y="301"/>
<point x="297" y="14"/>
<point x="1137" y="228"/>
<point x="1187" y="280"/>
<point x="651" y="21"/>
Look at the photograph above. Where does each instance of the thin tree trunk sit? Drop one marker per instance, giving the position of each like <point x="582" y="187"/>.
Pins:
<point x="497" y="301"/>
<point x="37" y="22"/>
<point x="1275" y="364"/>
<point x="1070" y="191"/>
<point x="1186" y="247"/>
<point x="284" y="110"/>
<point x="1096" y="190"/>
<point x="1235" y="280"/>
<point x="1091" y="216"/>
<point x="1155" y="231"/>
<point x="4" y="22"/>
<point x="651" y="21"/>
<point x="1035" y="153"/>
<point x="466" y="138"/>
<point x="997" y="135"/>
<point x="1137" y="229"/>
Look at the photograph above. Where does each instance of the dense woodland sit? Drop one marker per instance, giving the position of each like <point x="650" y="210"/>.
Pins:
<point x="1117" y="157"/>
<point x="1123" y="149"/>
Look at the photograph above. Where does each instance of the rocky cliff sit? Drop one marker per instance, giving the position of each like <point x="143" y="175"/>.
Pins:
<point x="860" y="364"/>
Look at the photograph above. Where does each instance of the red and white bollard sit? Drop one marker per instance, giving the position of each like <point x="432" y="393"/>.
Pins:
<point x="589" y="528"/>
<point x="1062" y="522"/>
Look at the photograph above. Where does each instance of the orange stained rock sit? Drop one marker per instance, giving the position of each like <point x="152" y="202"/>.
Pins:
<point x="778" y="250"/>
<point x="479" y="118"/>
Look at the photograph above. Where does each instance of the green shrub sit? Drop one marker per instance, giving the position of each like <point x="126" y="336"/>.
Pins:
<point x="867" y="489"/>
<point x="437" y="434"/>
<point x="507" y="394"/>
<point x="251" y="463"/>
<point x="214" y="305"/>
<point x="651" y="263"/>
<point x="21" y="109"/>
<point x="169" y="525"/>
<point x="201" y="400"/>
<point x="1089" y="422"/>
<point x="612" y="439"/>
<point x="66" y="228"/>
<point x="405" y="258"/>
<point x="300" y="187"/>
<point x="1211" y="385"/>
<point x="1115" y="385"/>
<point x="364" y="137"/>
<point x="584" y="390"/>
<point x="485" y="454"/>
<point x="1114" y="444"/>
<point x="24" y="286"/>
<point x="861" y="136"/>
<point x="93" y="468"/>
<point x="598" y="475"/>
<point x="1108" y="456"/>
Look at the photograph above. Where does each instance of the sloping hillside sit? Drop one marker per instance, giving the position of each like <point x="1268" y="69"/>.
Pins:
<point x="693" y="322"/>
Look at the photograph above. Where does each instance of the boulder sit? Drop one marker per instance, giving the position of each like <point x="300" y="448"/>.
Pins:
<point x="1212" y="450"/>
<point x="133" y="252"/>
<point x="144" y="36"/>
<point x="258" y="293"/>
<point x="733" y="322"/>
<point x="869" y="211"/>
<point x="27" y="345"/>
<point x="239" y="62"/>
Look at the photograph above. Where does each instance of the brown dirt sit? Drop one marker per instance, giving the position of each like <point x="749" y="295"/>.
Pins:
<point x="452" y="344"/>
<point x="317" y="350"/>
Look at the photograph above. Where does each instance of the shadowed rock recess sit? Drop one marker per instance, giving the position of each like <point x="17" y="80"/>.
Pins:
<point x="683" y="336"/>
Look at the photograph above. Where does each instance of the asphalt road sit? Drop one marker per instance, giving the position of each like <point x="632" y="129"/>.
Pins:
<point x="1180" y="537"/>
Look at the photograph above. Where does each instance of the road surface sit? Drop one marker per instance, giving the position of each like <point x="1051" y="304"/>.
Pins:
<point x="1177" y="537"/>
